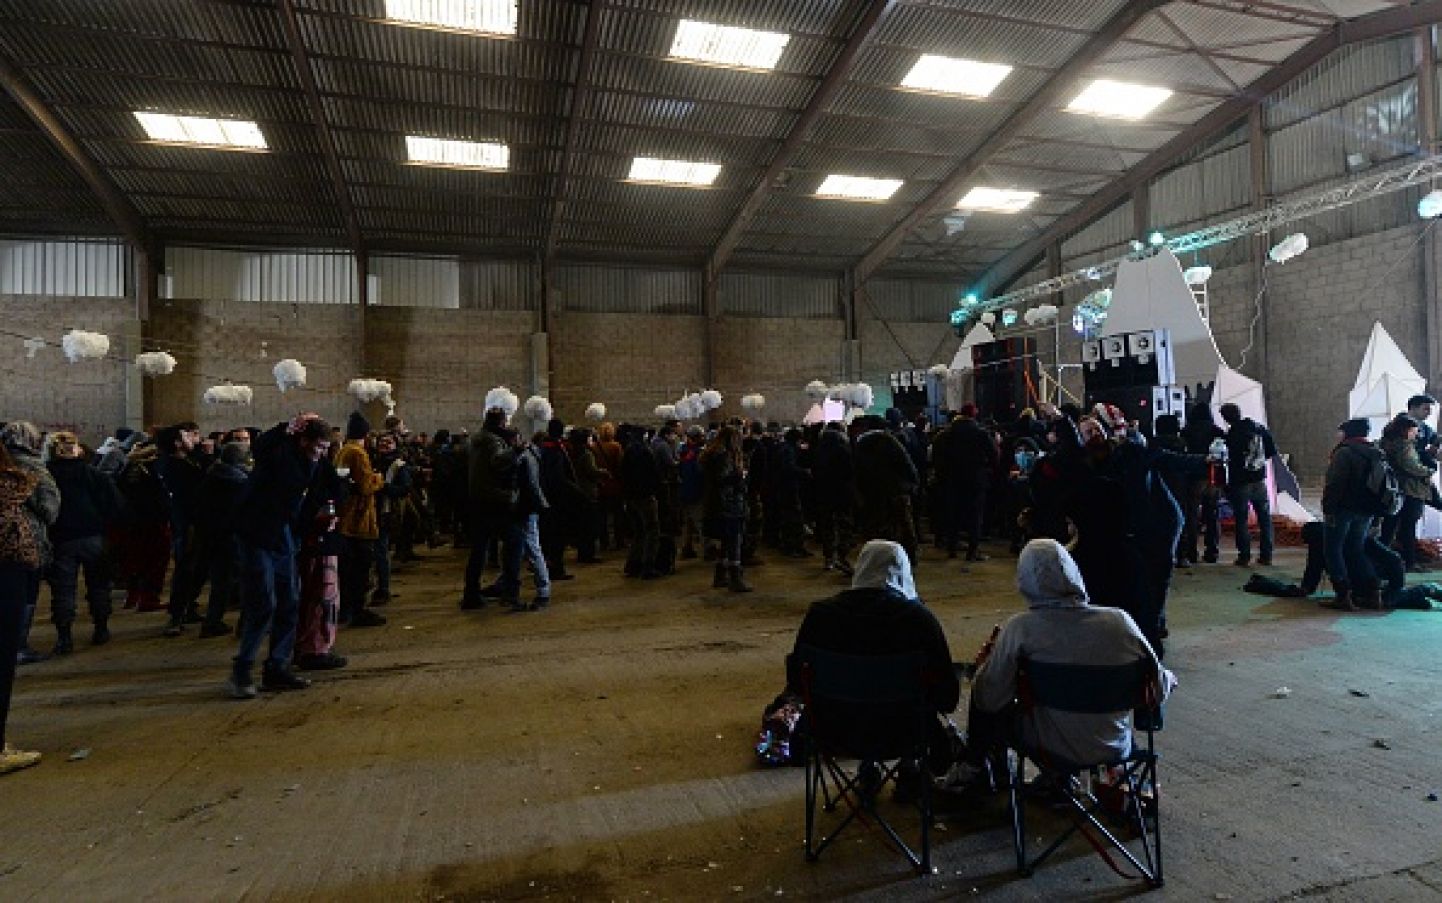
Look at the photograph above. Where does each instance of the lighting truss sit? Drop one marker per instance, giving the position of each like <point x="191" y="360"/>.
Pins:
<point x="1375" y="184"/>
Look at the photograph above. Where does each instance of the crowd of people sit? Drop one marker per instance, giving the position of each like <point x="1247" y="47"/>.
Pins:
<point x="295" y="528"/>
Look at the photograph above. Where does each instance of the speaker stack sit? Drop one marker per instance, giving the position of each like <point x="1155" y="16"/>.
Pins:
<point x="912" y="392"/>
<point x="1136" y="372"/>
<point x="1006" y="375"/>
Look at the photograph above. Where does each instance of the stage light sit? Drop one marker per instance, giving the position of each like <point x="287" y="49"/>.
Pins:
<point x="1008" y="317"/>
<point x="1430" y="207"/>
<point x="1137" y="246"/>
<point x="970" y="300"/>
<point x="958" y="317"/>
<point x="1287" y="248"/>
<point x="1156" y="239"/>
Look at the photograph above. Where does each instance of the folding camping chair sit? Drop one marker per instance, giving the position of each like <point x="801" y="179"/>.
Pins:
<point x="872" y="709"/>
<point x="1093" y="689"/>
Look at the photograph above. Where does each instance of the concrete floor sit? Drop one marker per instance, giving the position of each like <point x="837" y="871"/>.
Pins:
<point x="602" y="750"/>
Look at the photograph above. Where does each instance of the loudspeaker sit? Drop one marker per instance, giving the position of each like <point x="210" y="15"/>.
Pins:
<point x="1004" y="374"/>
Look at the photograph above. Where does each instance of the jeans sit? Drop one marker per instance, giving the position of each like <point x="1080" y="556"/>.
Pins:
<point x="271" y="598"/>
<point x="1344" y="544"/>
<point x="71" y="556"/>
<point x="383" y="562"/>
<point x="14" y="590"/>
<point x="1401" y="528"/>
<point x="485" y="528"/>
<point x="190" y="571"/>
<point x="523" y="540"/>
<point x="645" y="536"/>
<point x="1254" y="494"/>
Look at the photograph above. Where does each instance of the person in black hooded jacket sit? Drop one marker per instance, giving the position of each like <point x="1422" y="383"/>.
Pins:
<point x="216" y="506"/>
<point x="563" y="494"/>
<point x="89" y="503"/>
<point x="835" y="496"/>
<point x="1199" y="502"/>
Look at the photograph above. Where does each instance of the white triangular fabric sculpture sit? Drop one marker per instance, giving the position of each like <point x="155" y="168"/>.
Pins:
<point x="1385" y="381"/>
<point x="1151" y="293"/>
<point x="825" y="412"/>
<point x="979" y="335"/>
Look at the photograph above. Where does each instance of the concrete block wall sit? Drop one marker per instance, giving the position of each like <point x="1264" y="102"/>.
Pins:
<point x="442" y="362"/>
<point x="1319" y="311"/>
<point x="776" y="357"/>
<point x="87" y="397"/>
<point x="215" y="341"/>
<point x="628" y="362"/>
<point x="890" y="346"/>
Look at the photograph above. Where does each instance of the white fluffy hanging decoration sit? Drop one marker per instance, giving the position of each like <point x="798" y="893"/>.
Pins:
<point x="368" y="390"/>
<point x="595" y="411"/>
<point x="538" y="409"/>
<point x="289" y="374"/>
<point x="1042" y="313"/>
<point x="228" y="394"/>
<point x="155" y="363"/>
<point x="753" y="403"/>
<point x="1289" y="247"/>
<point x="80" y="345"/>
<point x="665" y="412"/>
<point x="816" y="390"/>
<point x="859" y="395"/>
<point x="711" y="399"/>
<point x="502" y="399"/>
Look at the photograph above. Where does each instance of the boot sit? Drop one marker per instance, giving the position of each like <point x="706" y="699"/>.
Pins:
<point x="721" y="577"/>
<point x="1370" y="599"/>
<point x="737" y="581"/>
<point x="64" y="644"/>
<point x="1342" y="600"/>
<point x="101" y="636"/>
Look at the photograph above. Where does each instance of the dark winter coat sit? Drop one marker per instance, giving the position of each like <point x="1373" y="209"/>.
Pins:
<point x="723" y="493"/>
<point x="530" y="497"/>
<point x="268" y="512"/>
<point x="971" y="453"/>
<point x="884" y="467"/>
<point x="831" y="467"/>
<point x="558" y="479"/>
<point x="1413" y="477"/>
<point x="146" y="500"/>
<point x="89" y="501"/>
<point x="217" y="500"/>
<point x="1345" y="490"/>
<point x="640" y="477"/>
<point x="181" y="476"/>
<point x="1239" y="441"/>
<point x="490" y="473"/>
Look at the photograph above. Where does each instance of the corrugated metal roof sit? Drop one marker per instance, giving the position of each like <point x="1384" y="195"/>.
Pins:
<point x="95" y="61"/>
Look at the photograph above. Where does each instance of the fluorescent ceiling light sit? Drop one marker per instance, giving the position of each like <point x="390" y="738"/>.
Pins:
<point x="202" y="131"/>
<point x="673" y="172"/>
<point x="495" y="17"/>
<point x="858" y="188"/>
<point x="458" y="154"/>
<point x="724" y="45"/>
<point x="997" y="200"/>
<point x="1118" y="99"/>
<point x="948" y="75"/>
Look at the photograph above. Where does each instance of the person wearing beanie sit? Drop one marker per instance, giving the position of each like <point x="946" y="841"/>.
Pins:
<point x="688" y="462"/>
<point x="566" y="501"/>
<point x="89" y="503"/>
<point x="491" y="495"/>
<point x="1414" y="478"/>
<point x="142" y="539"/>
<point x="1199" y="502"/>
<point x="1348" y="509"/>
<point x="181" y="469"/>
<point x="589" y="477"/>
<point x="391" y="503"/>
<point x="1249" y="447"/>
<point x="359" y="525"/>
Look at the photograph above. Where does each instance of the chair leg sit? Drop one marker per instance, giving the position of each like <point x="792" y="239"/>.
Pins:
<point x="925" y="819"/>
<point x="813" y="774"/>
<point x="1017" y="774"/>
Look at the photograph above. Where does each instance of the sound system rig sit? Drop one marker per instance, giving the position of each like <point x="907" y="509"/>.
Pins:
<point x="1006" y="374"/>
<point x="1136" y="372"/>
<point x="917" y="392"/>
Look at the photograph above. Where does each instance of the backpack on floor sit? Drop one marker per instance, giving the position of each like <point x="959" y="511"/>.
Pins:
<point x="778" y="724"/>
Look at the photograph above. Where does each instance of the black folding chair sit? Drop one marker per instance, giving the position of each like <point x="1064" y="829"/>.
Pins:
<point x="1093" y="689"/>
<point x="872" y="709"/>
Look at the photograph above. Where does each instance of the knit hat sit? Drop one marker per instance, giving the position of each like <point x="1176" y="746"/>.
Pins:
<point x="356" y="426"/>
<point x="1356" y="428"/>
<point x="555" y="428"/>
<point x="21" y="434"/>
<point x="893" y="418"/>
<point x="1111" y="418"/>
<point x="968" y="410"/>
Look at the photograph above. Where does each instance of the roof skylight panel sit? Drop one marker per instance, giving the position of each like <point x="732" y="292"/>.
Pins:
<point x="457" y="154"/>
<point x="487" y="17"/>
<point x="950" y="75"/>
<point x="857" y="188"/>
<point x="202" y="131"/>
<point x="726" y="45"/>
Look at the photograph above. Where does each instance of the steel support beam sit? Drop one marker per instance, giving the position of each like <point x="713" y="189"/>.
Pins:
<point x="820" y="99"/>
<point x="303" y="72"/>
<point x="1382" y="24"/>
<point x="1427" y="128"/>
<point x="575" y="116"/>
<point x="1044" y="100"/>
<point x="117" y="206"/>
